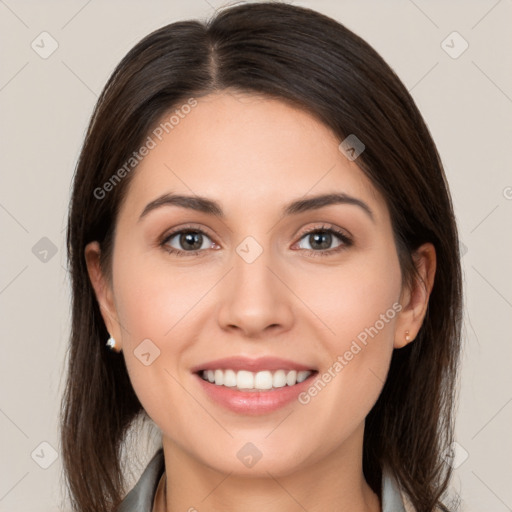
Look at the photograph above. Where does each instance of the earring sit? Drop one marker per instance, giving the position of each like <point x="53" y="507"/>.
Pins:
<point x="111" y="344"/>
<point x="407" y="337"/>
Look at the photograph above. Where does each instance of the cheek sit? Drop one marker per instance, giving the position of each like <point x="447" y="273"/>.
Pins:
<point x="149" y="309"/>
<point x="158" y="305"/>
<point x="352" y="379"/>
<point x="153" y="297"/>
<point x="360" y="306"/>
<point x="354" y="297"/>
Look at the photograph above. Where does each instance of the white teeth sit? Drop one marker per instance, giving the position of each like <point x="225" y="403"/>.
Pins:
<point x="229" y="378"/>
<point x="301" y="376"/>
<point x="219" y="377"/>
<point x="291" y="378"/>
<point x="263" y="380"/>
<point x="279" y="379"/>
<point x="245" y="380"/>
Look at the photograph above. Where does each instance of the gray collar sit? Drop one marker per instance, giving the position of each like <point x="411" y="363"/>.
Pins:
<point x="391" y="497"/>
<point x="141" y="497"/>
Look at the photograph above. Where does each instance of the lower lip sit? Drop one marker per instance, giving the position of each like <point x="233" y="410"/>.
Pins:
<point x="254" y="402"/>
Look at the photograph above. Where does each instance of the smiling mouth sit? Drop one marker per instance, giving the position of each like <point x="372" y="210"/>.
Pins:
<point x="265" y="380"/>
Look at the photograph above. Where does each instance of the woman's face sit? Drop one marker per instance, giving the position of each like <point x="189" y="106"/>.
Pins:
<point x="248" y="282"/>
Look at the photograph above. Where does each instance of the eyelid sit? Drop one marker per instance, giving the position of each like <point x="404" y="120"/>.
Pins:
<point x="186" y="227"/>
<point x="326" y="226"/>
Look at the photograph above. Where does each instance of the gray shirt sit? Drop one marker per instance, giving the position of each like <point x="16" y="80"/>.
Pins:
<point x="141" y="497"/>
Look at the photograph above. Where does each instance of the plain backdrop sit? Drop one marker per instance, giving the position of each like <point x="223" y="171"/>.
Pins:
<point x="465" y="96"/>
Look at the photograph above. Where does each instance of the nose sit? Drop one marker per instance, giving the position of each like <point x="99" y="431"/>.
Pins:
<point x="255" y="298"/>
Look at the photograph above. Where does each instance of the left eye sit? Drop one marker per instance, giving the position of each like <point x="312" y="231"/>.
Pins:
<point x="321" y="239"/>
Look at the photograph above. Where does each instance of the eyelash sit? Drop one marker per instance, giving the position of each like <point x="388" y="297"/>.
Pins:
<point x="347" y="241"/>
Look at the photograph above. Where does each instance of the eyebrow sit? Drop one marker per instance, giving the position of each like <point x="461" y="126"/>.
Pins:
<point x="211" y="207"/>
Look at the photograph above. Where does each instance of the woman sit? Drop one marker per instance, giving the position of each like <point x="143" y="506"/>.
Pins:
<point x="261" y="228"/>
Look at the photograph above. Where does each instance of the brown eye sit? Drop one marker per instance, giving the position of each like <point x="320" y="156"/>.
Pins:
<point x="321" y="240"/>
<point x="186" y="242"/>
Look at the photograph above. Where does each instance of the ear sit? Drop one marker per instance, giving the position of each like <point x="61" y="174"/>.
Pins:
<point x="103" y="290"/>
<point x="414" y="300"/>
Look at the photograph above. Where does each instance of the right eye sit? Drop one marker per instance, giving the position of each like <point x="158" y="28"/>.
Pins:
<point x="192" y="241"/>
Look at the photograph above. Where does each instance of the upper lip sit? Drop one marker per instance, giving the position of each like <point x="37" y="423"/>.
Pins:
<point x="252" y="365"/>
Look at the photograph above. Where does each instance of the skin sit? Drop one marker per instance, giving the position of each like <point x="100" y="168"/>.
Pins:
<point x="253" y="155"/>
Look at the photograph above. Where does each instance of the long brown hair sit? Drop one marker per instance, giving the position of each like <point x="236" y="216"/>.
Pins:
<point x="310" y="60"/>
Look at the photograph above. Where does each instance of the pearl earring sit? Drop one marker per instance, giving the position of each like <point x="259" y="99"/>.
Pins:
<point x="111" y="344"/>
<point x="407" y="337"/>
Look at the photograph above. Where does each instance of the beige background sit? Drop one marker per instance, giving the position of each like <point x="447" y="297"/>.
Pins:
<point x="45" y="106"/>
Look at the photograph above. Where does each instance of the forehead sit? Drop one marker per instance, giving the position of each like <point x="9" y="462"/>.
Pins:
<point x="245" y="150"/>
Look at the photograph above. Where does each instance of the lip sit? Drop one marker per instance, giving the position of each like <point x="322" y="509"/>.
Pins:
<point x="251" y="365"/>
<point x="253" y="403"/>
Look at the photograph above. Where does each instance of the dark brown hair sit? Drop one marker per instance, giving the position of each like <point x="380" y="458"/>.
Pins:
<point x="302" y="57"/>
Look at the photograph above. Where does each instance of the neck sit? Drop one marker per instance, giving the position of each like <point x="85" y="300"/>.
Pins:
<point x="334" y="482"/>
